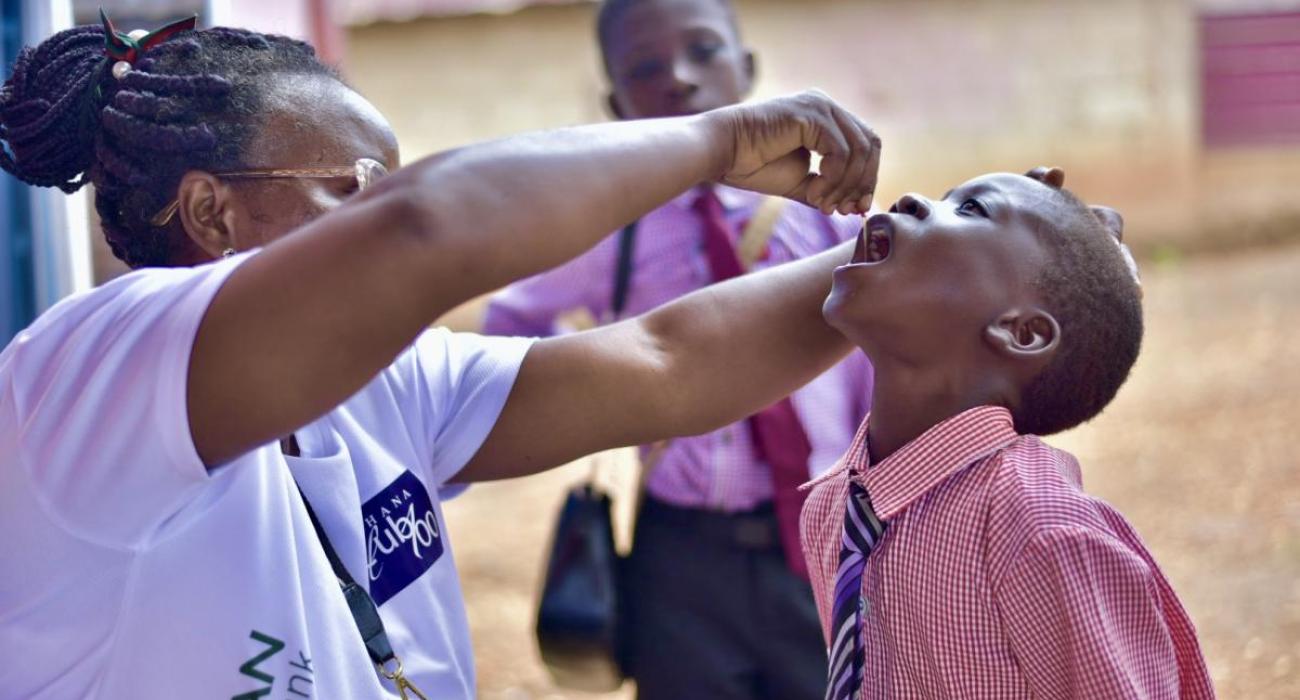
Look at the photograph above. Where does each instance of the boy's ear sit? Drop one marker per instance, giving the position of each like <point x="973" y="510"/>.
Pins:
<point x="206" y="211"/>
<point x="611" y="102"/>
<point x="751" y="71"/>
<point x="1111" y="219"/>
<point x="1025" y="334"/>
<point x="1052" y="177"/>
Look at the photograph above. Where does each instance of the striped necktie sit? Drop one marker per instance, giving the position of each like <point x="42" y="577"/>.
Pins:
<point x="862" y="530"/>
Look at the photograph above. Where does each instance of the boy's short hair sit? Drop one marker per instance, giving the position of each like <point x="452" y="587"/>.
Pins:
<point x="611" y="10"/>
<point x="1088" y="286"/>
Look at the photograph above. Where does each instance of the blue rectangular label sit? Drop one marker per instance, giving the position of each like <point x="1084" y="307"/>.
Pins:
<point x="403" y="538"/>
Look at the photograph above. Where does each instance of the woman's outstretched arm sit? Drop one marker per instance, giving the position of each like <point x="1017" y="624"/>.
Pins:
<point x="308" y="321"/>
<point x="705" y="360"/>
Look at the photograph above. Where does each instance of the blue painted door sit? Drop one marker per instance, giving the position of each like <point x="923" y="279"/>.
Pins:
<point x="17" y="298"/>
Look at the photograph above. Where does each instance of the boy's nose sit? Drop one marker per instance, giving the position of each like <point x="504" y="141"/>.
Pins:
<point x="912" y="205"/>
<point x="684" y="78"/>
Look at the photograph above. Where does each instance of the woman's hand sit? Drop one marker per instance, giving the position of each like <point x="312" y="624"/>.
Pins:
<point x="764" y="146"/>
<point x="307" y="322"/>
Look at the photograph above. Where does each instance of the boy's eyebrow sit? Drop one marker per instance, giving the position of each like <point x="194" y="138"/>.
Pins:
<point x="977" y="188"/>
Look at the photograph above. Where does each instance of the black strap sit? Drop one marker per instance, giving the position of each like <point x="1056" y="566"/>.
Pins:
<point x="364" y="612"/>
<point x="623" y="274"/>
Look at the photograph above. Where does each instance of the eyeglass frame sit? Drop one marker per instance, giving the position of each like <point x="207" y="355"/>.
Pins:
<point x="364" y="170"/>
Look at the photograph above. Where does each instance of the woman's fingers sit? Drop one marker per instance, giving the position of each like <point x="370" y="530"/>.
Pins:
<point x="1052" y="177"/>
<point x="767" y="134"/>
<point x="871" y="172"/>
<point x="858" y="175"/>
<point x="785" y="177"/>
<point x="850" y="159"/>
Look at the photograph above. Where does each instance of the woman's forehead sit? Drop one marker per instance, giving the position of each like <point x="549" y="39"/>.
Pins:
<point x="320" y="121"/>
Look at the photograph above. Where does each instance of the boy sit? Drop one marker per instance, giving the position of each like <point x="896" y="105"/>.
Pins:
<point x="717" y="611"/>
<point x="953" y="553"/>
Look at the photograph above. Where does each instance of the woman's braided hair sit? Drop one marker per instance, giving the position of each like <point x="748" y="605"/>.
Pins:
<point x="190" y="103"/>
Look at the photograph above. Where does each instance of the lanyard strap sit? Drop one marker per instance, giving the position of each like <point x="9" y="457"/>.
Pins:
<point x="623" y="273"/>
<point x="362" y="606"/>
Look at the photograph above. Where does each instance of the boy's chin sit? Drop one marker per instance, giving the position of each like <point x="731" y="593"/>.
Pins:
<point x="843" y="311"/>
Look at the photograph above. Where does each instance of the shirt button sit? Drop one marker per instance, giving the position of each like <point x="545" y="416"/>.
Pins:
<point x="863" y="605"/>
<point x="726" y="436"/>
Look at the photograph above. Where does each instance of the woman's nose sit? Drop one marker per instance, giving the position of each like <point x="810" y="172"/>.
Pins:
<point x="912" y="205"/>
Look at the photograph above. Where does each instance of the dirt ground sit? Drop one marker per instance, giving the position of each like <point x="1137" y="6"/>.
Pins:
<point x="1197" y="451"/>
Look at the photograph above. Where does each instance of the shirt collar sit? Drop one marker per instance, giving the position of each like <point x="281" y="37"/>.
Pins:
<point x="926" y="461"/>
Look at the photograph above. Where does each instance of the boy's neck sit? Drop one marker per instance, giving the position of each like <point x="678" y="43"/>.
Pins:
<point x="906" y="402"/>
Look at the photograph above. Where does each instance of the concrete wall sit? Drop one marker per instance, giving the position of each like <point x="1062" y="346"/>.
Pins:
<point x="447" y="82"/>
<point x="1107" y="89"/>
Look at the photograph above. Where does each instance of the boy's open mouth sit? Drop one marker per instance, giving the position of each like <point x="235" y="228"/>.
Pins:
<point x="875" y="241"/>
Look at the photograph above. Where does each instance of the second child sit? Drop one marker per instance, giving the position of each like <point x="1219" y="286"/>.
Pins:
<point x="720" y="605"/>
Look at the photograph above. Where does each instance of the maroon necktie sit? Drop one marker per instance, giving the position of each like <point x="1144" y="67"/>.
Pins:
<point x="778" y="437"/>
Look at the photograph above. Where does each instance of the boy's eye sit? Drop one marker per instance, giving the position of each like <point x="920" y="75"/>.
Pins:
<point x="645" y="70"/>
<point x="703" y="52"/>
<point x="973" y="206"/>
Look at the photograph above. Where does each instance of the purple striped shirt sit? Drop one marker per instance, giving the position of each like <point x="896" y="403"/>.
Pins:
<point x="718" y="470"/>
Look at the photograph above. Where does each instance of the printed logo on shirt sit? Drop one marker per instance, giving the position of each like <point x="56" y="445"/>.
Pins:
<point x="402" y="536"/>
<point x="266" y="668"/>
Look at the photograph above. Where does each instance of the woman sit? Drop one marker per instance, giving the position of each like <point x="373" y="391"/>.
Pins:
<point x="195" y="457"/>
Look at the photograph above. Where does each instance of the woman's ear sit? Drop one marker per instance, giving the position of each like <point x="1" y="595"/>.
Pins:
<point x="206" y="212"/>
<point x="1027" y="335"/>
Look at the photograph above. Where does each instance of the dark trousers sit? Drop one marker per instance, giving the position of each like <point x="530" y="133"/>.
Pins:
<point x="714" y="612"/>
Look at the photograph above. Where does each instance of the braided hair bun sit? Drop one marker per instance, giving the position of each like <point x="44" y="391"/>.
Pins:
<point x="193" y="102"/>
<point x="46" y="114"/>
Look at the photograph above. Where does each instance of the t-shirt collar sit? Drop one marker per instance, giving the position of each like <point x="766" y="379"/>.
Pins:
<point x="926" y="461"/>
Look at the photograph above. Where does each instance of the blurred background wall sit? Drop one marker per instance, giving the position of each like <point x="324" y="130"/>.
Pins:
<point x="1185" y="115"/>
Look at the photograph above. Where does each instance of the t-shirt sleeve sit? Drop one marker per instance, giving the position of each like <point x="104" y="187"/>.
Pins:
<point x="99" y="386"/>
<point x="1084" y="618"/>
<point x="458" y="386"/>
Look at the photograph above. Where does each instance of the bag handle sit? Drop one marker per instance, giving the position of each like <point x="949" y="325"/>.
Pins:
<point x="758" y="232"/>
<point x="623" y="273"/>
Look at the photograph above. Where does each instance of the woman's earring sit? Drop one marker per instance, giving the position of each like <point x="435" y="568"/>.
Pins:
<point x="227" y="252"/>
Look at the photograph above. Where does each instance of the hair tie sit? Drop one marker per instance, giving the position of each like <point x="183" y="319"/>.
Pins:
<point x="125" y="48"/>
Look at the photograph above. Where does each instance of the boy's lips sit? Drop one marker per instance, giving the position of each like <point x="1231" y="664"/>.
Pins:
<point x="875" y="241"/>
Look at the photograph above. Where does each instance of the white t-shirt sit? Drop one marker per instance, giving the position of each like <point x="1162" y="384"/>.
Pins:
<point x="128" y="570"/>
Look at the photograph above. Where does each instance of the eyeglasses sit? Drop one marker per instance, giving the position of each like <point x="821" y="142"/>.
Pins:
<point x="365" y="171"/>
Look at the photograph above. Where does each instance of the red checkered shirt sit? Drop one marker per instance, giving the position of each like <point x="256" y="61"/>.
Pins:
<point x="998" y="577"/>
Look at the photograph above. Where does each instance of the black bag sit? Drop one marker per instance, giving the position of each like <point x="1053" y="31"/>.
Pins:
<point x="578" y="619"/>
